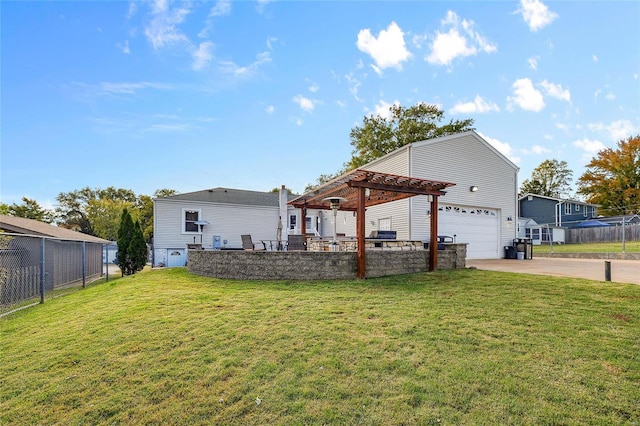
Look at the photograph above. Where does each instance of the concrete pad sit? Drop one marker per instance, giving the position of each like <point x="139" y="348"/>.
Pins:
<point x="622" y="271"/>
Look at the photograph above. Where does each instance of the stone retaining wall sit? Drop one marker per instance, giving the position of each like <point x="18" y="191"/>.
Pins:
<point x="310" y="265"/>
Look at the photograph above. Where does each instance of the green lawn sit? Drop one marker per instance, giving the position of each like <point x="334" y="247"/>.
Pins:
<point x="630" y="247"/>
<point x="451" y="347"/>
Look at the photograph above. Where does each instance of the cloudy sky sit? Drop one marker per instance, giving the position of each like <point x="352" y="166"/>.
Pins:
<point x="252" y="95"/>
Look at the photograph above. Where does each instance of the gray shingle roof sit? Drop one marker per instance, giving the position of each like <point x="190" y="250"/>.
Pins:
<point x="229" y="196"/>
<point x="20" y="225"/>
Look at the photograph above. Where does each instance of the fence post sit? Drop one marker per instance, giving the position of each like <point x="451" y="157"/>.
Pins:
<point x="106" y="261"/>
<point x="607" y="270"/>
<point x="42" y="272"/>
<point x="84" y="263"/>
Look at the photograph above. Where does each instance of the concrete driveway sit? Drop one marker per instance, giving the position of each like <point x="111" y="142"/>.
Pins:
<point x="622" y="271"/>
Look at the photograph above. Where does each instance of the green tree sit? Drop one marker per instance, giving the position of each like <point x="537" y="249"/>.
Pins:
<point x="378" y="136"/>
<point x="125" y="236"/>
<point x="552" y="178"/>
<point x="30" y="209"/>
<point x="104" y="215"/>
<point x="612" y="178"/>
<point x="132" y="248"/>
<point x="4" y="208"/>
<point x="137" y="251"/>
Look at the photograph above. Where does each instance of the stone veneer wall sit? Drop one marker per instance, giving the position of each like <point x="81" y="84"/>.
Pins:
<point x="310" y="265"/>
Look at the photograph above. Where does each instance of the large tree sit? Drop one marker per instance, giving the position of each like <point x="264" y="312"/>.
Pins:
<point x="552" y="178"/>
<point x="104" y="215"/>
<point x="30" y="209"/>
<point x="612" y="178"/>
<point x="379" y="135"/>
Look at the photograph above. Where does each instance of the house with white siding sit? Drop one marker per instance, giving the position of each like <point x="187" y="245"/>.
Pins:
<point x="480" y="210"/>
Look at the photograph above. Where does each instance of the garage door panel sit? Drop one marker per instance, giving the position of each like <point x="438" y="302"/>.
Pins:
<point x="478" y="227"/>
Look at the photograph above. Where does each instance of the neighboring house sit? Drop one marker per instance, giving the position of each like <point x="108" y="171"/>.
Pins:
<point x="20" y="225"/>
<point x="215" y="219"/>
<point x="630" y="219"/>
<point x="555" y="211"/>
<point x="68" y="255"/>
<point x="480" y="210"/>
<point x="549" y="217"/>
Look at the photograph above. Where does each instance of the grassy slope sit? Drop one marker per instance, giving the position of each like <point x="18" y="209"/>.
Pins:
<point x="450" y="347"/>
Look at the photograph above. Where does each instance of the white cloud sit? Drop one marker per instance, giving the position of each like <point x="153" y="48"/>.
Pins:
<point x="306" y="104"/>
<point x="124" y="47"/>
<point x="595" y="58"/>
<point x="314" y="88"/>
<point x="382" y="109"/>
<point x="388" y="50"/>
<point x="533" y="62"/>
<point x="221" y="8"/>
<point x="589" y="147"/>
<point x="354" y="84"/>
<point x="202" y="55"/>
<point x="617" y="130"/>
<point x="503" y="147"/>
<point x="229" y="67"/>
<point x="526" y="96"/>
<point x="536" y="14"/>
<point x="556" y="91"/>
<point x="536" y="149"/>
<point x="131" y="88"/>
<point x="478" y="105"/>
<point x="458" y="39"/>
<point x="163" y="29"/>
<point x="270" y="109"/>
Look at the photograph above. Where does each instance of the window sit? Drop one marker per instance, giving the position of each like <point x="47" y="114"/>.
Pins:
<point x="384" y="224"/>
<point x="577" y="207"/>
<point x="593" y="211"/>
<point x="584" y="211"/>
<point x="189" y="219"/>
<point x="567" y="208"/>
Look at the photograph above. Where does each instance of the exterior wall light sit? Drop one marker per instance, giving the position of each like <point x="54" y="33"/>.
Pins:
<point x="473" y="188"/>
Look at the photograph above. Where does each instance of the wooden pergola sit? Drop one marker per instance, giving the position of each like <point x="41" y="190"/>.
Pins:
<point x="365" y="188"/>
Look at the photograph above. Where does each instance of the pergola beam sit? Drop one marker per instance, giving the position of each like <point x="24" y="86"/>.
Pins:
<point x="365" y="188"/>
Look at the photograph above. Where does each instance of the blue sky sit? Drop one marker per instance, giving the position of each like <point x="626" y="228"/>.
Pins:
<point x="254" y="95"/>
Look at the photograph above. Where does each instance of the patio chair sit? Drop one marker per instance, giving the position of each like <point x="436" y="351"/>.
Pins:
<point x="248" y="244"/>
<point x="296" y="242"/>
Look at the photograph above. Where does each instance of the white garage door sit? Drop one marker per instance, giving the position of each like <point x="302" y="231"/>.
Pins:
<point x="476" y="226"/>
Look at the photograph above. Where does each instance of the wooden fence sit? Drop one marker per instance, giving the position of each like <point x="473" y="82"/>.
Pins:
<point x="603" y="234"/>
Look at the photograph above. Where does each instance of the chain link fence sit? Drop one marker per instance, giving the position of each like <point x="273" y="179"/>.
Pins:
<point x="34" y="269"/>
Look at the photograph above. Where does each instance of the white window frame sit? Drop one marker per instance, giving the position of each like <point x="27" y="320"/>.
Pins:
<point x="577" y="207"/>
<point x="183" y="219"/>
<point x="594" y="211"/>
<point x="567" y="208"/>
<point x="585" y="211"/>
<point x="384" y="224"/>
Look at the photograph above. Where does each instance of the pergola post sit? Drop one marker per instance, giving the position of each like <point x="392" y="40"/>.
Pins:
<point x="360" y="218"/>
<point x="433" y="237"/>
<point x="303" y="219"/>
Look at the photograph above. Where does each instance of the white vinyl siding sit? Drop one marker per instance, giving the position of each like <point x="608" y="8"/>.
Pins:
<point x="464" y="160"/>
<point x="227" y="221"/>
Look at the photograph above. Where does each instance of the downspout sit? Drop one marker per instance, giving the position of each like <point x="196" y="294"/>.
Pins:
<point x="559" y="213"/>
<point x="410" y="155"/>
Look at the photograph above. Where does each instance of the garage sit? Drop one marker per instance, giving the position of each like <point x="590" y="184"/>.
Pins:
<point x="473" y="225"/>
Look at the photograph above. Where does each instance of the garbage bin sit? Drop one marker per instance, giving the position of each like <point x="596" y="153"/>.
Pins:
<point x="524" y="246"/>
<point x="509" y="252"/>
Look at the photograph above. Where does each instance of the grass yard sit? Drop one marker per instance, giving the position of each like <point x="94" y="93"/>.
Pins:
<point x="451" y="347"/>
<point x="630" y="247"/>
